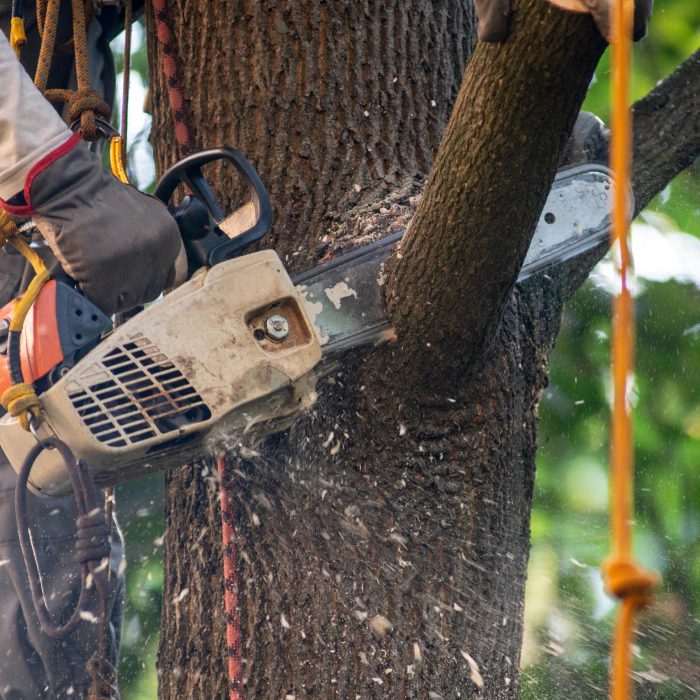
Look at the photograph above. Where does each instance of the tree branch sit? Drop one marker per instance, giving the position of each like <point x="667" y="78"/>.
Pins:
<point x="666" y="131"/>
<point x="666" y="142"/>
<point x="467" y="241"/>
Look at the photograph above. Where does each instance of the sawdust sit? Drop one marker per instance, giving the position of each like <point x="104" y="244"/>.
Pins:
<point x="370" y="221"/>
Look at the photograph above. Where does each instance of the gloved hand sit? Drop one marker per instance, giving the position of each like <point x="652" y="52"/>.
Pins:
<point x="494" y="15"/>
<point x="121" y="246"/>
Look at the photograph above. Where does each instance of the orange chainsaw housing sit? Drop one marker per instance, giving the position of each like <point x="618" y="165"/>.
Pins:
<point x="60" y="323"/>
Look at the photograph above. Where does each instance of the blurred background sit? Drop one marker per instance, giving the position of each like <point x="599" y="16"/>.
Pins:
<point x="568" y="616"/>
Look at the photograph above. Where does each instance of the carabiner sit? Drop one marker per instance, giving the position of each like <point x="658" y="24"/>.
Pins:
<point x="32" y="429"/>
<point x="109" y="133"/>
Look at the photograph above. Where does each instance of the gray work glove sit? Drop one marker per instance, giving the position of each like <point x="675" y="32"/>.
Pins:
<point x="494" y="15"/>
<point x="120" y="245"/>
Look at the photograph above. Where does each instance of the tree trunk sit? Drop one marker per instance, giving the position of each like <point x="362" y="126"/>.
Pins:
<point x="383" y="540"/>
<point x="334" y="103"/>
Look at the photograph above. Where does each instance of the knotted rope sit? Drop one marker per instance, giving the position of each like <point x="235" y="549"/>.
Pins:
<point x="624" y="578"/>
<point x="104" y="680"/>
<point x="84" y="104"/>
<point x="8" y="227"/>
<point x="19" y="400"/>
<point x="92" y="537"/>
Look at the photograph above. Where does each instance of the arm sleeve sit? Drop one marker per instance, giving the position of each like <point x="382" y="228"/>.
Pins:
<point x="30" y="127"/>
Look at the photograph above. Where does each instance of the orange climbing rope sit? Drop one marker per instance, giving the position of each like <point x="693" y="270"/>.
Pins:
<point x="84" y="104"/>
<point x="624" y="577"/>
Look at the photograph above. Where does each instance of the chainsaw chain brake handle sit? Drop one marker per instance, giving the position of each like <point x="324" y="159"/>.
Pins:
<point x="208" y="235"/>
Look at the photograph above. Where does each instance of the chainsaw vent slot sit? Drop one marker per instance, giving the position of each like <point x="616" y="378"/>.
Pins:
<point x="146" y="395"/>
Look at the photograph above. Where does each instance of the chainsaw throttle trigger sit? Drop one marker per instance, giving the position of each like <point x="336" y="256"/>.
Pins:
<point x="211" y="237"/>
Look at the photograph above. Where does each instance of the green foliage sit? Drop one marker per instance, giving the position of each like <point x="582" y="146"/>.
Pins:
<point x="141" y="511"/>
<point x="568" y="616"/>
<point x="570" y="519"/>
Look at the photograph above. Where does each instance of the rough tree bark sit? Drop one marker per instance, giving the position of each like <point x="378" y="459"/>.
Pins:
<point x="383" y="540"/>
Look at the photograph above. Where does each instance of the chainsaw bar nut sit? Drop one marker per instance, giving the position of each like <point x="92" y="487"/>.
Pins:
<point x="277" y="328"/>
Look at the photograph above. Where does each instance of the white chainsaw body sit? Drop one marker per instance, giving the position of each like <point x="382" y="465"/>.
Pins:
<point x="186" y="377"/>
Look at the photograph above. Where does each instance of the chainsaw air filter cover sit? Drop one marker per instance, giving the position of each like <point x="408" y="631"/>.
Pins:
<point x="186" y="377"/>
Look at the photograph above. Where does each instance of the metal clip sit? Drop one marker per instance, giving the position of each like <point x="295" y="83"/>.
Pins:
<point x="106" y="130"/>
<point x="32" y="428"/>
<point x="109" y="133"/>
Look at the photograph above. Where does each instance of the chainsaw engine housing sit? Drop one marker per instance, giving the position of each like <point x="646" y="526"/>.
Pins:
<point x="186" y="377"/>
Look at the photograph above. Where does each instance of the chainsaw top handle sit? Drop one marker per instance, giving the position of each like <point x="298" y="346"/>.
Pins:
<point x="211" y="237"/>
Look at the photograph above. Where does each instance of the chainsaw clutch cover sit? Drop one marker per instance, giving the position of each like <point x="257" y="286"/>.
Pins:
<point x="229" y="353"/>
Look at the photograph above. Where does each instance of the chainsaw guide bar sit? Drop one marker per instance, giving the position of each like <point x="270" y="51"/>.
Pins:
<point x="344" y="298"/>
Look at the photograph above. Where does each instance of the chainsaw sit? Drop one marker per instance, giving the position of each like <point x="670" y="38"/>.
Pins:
<point x="235" y="350"/>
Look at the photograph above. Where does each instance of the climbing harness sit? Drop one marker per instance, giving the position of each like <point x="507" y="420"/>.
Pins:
<point x="624" y="577"/>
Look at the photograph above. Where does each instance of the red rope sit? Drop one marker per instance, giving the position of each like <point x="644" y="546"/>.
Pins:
<point x="169" y="58"/>
<point x="233" y="616"/>
<point x="184" y="145"/>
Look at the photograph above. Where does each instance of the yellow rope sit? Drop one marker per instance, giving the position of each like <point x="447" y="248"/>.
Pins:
<point x="624" y="577"/>
<point x="8" y="228"/>
<point x="17" y="36"/>
<point x="34" y="260"/>
<point x="21" y="399"/>
<point x="24" y="303"/>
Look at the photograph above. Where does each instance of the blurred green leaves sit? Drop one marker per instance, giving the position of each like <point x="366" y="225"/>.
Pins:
<point x="140" y="507"/>
<point x="569" y="617"/>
